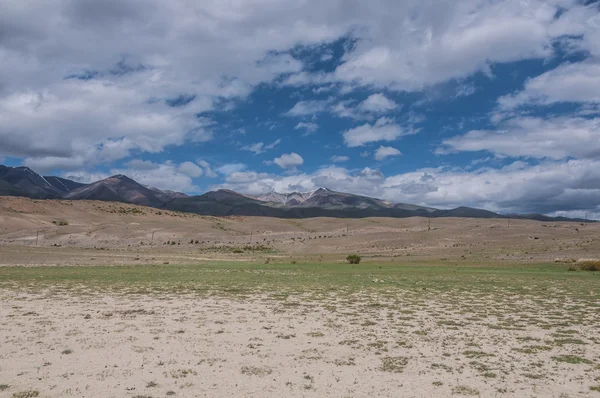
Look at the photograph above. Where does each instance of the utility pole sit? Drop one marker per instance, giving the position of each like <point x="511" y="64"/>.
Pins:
<point x="250" y="236"/>
<point x="347" y="230"/>
<point x="508" y="222"/>
<point x="37" y="237"/>
<point x="152" y="241"/>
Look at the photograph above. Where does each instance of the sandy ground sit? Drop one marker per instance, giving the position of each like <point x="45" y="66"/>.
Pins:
<point x="400" y="343"/>
<point x="119" y="346"/>
<point x="112" y="233"/>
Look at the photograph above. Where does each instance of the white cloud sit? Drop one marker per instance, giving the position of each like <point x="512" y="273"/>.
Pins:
<point x="386" y="151"/>
<point x="556" y="138"/>
<point x="260" y="147"/>
<point x="309" y="127"/>
<point x="339" y="159"/>
<point x="384" y="129"/>
<point x="191" y="169"/>
<point x="377" y="103"/>
<point x="347" y="109"/>
<point x="289" y="160"/>
<point x="440" y="41"/>
<point x="230" y="168"/>
<point x="567" y="83"/>
<point x="32" y="124"/>
<point x="308" y="108"/>
<point x="208" y="171"/>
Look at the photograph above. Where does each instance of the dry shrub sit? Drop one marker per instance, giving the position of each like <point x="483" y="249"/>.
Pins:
<point x="586" y="265"/>
<point x="353" y="259"/>
<point x="590" y="265"/>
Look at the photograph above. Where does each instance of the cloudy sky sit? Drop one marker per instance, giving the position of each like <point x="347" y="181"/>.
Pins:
<point x="492" y="104"/>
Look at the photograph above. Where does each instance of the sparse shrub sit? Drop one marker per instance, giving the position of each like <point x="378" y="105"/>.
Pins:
<point x="26" y="394"/>
<point x="353" y="259"/>
<point x="590" y="265"/>
<point x="238" y="251"/>
<point x="60" y="223"/>
<point x="587" y="265"/>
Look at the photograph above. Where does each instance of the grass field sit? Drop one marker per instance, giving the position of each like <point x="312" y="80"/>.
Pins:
<point x="305" y="329"/>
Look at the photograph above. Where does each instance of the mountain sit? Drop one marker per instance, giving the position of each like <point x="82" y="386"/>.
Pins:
<point x="166" y="194"/>
<point x="288" y="199"/>
<point x="120" y="188"/>
<point x="327" y="199"/>
<point x="466" y="212"/>
<point x="22" y="181"/>
<point x="62" y="184"/>
<point x="323" y="202"/>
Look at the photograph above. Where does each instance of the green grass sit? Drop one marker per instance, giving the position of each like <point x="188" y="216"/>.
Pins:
<point x="537" y="281"/>
<point x="572" y="359"/>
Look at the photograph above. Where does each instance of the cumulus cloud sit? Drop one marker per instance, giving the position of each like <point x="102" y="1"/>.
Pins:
<point x="207" y="169"/>
<point x="308" y="127"/>
<point x="230" y="168"/>
<point x="191" y="169"/>
<point x="386" y="151"/>
<point x="289" y="160"/>
<point x="567" y="83"/>
<point x="62" y="103"/>
<point x="260" y="147"/>
<point x="308" y="108"/>
<point x="339" y="159"/>
<point x="384" y="129"/>
<point x="377" y="103"/>
<point x="556" y="138"/>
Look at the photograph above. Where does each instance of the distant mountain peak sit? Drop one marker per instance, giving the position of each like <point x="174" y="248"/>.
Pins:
<point x="321" y="202"/>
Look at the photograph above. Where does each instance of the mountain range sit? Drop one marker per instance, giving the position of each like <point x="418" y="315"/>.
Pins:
<point x="323" y="202"/>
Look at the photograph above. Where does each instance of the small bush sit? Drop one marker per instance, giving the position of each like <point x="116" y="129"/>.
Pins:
<point x="60" y="223"/>
<point x="353" y="259"/>
<point x="238" y="251"/>
<point x="589" y="266"/>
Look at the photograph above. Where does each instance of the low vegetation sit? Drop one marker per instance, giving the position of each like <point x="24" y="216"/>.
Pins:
<point x="589" y="265"/>
<point x="353" y="259"/>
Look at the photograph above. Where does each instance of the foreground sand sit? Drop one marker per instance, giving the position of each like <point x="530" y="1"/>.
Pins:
<point x="392" y="343"/>
<point x="469" y="308"/>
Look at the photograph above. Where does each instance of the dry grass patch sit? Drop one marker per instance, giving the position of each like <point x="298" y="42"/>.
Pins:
<point x="256" y="371"/>
<point x="393" y="364"/>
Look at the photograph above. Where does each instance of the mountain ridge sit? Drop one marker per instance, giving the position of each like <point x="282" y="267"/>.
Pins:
<point x="321" y="202"/>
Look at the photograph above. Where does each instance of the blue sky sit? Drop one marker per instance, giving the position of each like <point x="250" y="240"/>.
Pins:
<point x="491" y="104"/>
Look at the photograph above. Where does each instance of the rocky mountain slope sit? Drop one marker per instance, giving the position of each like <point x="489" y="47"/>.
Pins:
<point x="323" y="202"/>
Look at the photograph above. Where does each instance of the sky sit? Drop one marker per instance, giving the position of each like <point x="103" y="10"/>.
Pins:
<point x="482" y="103"/>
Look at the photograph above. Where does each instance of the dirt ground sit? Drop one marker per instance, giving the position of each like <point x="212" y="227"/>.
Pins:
<point x="112" y="233"/>
<point x="468" y="308"/>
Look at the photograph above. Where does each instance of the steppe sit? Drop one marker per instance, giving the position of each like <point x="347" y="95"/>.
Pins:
<point x="105" y="299"/>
